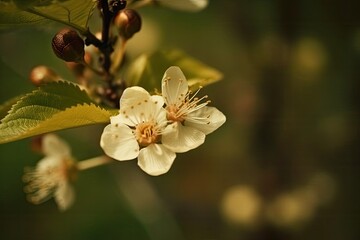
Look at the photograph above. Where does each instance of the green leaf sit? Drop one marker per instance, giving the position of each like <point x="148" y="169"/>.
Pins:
<point x="75" y="13"/>
<point x="52" y="107"/>
<point x="6" y="106"/>
<point x="148" y="70"/>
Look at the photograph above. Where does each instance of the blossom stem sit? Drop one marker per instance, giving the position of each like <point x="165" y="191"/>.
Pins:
<point x="107" y="50"/>
<point x="93" y="162"/>
<point x="98" y="72"/>
<point x="118" y="56"/>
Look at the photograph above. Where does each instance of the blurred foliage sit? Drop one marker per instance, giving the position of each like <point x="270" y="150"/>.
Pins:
<point x="24" y="12"/>
<point x="290" y="94"/>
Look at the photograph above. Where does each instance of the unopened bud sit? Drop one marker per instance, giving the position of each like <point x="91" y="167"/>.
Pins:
<point x="68" y="46"/>
<point x="43" y="74"/>
<point x="128" y="22"/>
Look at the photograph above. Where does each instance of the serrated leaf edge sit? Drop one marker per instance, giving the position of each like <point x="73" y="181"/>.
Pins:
<point x="14" y="108"/>
<point x="29" y="130"/>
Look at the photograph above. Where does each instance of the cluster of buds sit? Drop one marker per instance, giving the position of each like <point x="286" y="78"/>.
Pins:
<point x="70" y="47"/>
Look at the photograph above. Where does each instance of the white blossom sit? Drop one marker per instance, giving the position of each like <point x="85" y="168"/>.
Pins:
<point x="53" y="174"/>
<point x="190" y="117"/>
<point x="138" y="131"/>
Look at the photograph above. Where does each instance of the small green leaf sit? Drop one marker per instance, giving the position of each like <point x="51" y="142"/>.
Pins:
<point x="148" y="70"/>
<point x="52" y="107"/>
<point x="75" y="13"/>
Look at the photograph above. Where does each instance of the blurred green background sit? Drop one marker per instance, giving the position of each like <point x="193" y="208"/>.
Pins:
<point x="283" y="166"/>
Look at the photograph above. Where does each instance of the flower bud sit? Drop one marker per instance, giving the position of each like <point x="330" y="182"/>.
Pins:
<point x="68" y="46"/>
<point x="43" y="74"/>
<point x="128" y="22"/>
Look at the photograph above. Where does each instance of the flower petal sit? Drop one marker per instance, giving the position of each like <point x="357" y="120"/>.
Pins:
<point x="132" y="95"/>
<point x="138" y="108"/>
<point x="184" y="5"/>
<point x="174" y="86"/>
<point x="64" y="196"/>
<point x="156" y="159"/>
<point x="49" y="162"/>
<point x="124" y="118"/>
<point x="159" y="100"/>
<point x="206" y="119"/>
<point x="118" y="142"/>
<point x="181" y="138"/>
<point x="53" y="145"/>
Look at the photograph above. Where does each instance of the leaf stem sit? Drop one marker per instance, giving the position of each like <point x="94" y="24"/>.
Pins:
<point x="92" y="39"/>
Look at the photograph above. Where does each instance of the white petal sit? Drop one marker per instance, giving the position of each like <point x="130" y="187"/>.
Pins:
<point x="49" y="162"/>
<point x="124" y="118"/>
<point x="132" y="98"/>
<point x="213" y="119"/>
<point x="118" y="142"/>
<point x="184" y="5"/>
<point x="64" y="196"/>
<point x="174" y="86"/>
<point x="132" y="95"/>
<point x="156" y="159"/>
<point x="159" y="100"/>
<point x="161" y="118"/>
<point x="53" y="145"/>
<point x="181" y="138"/>
<point x="144" y="109"/>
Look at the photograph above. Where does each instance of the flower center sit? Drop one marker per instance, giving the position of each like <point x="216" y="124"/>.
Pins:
<point x="69" y="169"/>
<point x="172" y="114"/>
<point x="146" y="133"/>
<point x="178" y="112"/>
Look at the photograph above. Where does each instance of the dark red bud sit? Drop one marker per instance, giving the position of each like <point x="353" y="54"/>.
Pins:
<point x="68" y="46"/>
<point x="128" y="22"/>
